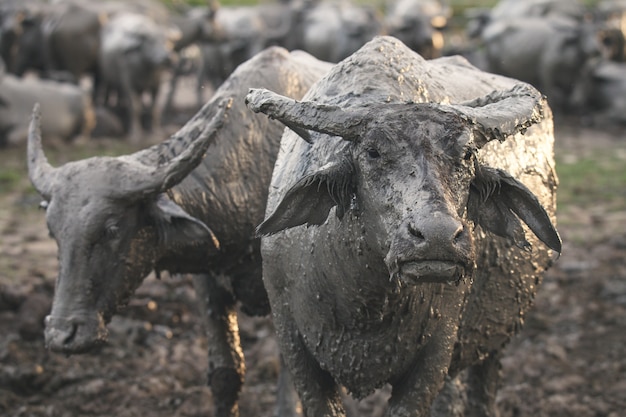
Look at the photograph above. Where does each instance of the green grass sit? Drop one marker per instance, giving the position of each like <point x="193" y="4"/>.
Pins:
<point x="595" y="179"/>
<point x="9" y="178"/>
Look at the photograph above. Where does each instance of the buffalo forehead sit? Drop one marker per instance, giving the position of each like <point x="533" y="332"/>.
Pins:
<point x="416" y="124"/>
<point x="100" y="175"/>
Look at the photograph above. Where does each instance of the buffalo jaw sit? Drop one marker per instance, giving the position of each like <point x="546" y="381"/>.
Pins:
<point x="75" y="333"/>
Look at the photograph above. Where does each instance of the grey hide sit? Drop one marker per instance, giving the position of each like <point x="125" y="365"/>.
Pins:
<point x="547" y="52"/>
<point x="333" y="30"/>
<point x="240" y="33"/>
<point x="135" y="51"/>
<point x="61" y="42"/>
<point x="72" y="41"/>
<point x="418" y="24"/>
<point x="402" y="241"/>
<point x="68" y="110"/>
<point x="506" y="9"/>
<point x="602" y="96"/>
<point x="171" y="207"/>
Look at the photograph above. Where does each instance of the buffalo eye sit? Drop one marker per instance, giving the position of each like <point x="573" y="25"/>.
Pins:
<point x="111" y="231"/>
<point x="372" y="153"/>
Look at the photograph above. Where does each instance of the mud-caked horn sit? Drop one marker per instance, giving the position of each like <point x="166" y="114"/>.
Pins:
<point x="302" y="116"/>
<point x="42" y="175"/>
<point x="171" y="161"/>
<point x="502" y="113"/>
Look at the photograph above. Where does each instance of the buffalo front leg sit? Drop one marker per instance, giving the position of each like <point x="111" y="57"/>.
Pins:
<point x="414" y="394"/>
<point x="154" y="116"/>
<point x="318" y="392"/>
<point x="451" y="399"/>
<point x="132" y="100"/>
<point x="482" y="386"/>
<point x="286" y="397"/>
<point x="226" y="361"/>
<point x="169" y="99"/>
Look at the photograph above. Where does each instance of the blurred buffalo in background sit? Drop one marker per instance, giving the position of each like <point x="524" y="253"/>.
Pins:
<point x="69" y="110"/>
<point x="131" y="57"/>
<point x="134" y="54"/>
<point x="419" y="24"/>
<point x="547" y="43"/>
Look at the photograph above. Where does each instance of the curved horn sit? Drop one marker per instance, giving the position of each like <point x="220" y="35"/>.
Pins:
<point x="164" y="175"/>
<point x="503" y="113"/>
<point x="301" y="116"/>
<point x="41" y="173"/>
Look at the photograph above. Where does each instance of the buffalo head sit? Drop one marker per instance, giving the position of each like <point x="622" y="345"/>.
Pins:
<point x="112" y="218"/>
<point x="412" y="171"/>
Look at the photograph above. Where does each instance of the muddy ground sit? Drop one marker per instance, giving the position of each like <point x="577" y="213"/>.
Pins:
<point x="569" y="360"/>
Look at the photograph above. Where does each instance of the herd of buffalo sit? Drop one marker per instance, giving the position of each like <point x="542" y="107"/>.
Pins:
<point x="97" y="68"/>
<point x="392" y="206"/>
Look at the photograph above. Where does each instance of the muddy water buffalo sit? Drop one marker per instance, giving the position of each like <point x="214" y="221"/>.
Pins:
<point x="548" y="53"/>
<point x="396" y="244"/>
<point x="68" y="109"/>
<point x="134" y="55"/>
<point x="418" y="24"/>
<point x="60" y="42"/>
<point x="167" y="207"/>
<point x="333" y="30"/>
<point x="602" y="96"/>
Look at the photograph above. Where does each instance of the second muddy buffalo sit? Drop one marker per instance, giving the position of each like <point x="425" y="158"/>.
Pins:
<point x="171" y="207"/>
<point x="407" y="227"/>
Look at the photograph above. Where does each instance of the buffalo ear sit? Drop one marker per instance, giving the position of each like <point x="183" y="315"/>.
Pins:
<point x="175" y="227"/>
<point x="309" y="200"/>
<point x="498" y="202"/>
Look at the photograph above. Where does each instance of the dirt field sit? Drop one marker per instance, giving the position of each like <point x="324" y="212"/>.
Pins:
<point x="570" y="359"/>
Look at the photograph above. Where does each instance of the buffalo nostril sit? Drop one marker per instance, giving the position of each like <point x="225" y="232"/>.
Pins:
<point x="69" y="337"/>
<point x="414" y="231"/>
<point x="458" y="234"/>
<point x="61" y="333"/>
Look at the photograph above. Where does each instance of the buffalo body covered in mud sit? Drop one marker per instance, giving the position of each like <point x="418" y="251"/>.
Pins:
<point x="171" y="207"/>
<point x="406" y="235"/>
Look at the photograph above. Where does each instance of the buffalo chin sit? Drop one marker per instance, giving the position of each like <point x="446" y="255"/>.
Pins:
<point x="415" y="272"/>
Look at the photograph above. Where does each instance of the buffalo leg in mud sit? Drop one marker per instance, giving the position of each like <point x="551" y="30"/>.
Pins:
<point x="226" y="361"/>
<point x="286" y="396"/>
<point x="413" y="395"/>
<point x="451" y="399"/>
<point x="154" y="116"/>
<point x="133" y="103"/>
<point x="168" y="106"/>
<point x="482" y="384"/>
<point x="319" y="394"/>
